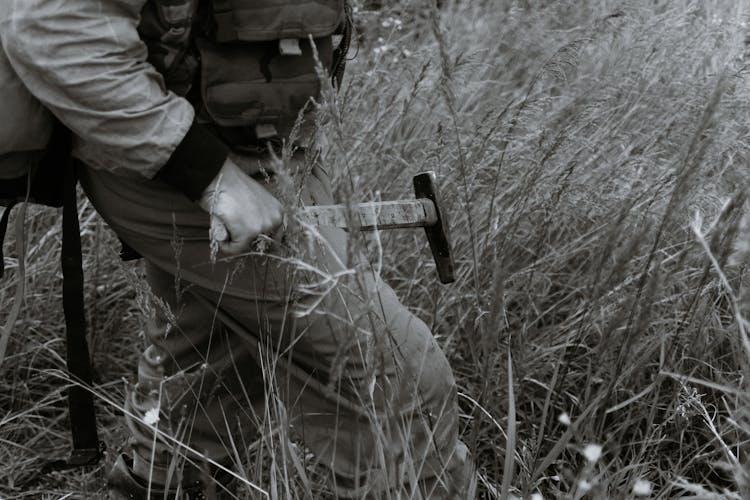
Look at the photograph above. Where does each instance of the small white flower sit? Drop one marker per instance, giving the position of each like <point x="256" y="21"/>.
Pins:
<point x="151" y="417"/>
<point x="564" y="419"/>
<point x="584" y="485"/>
<point x="642" y="488"/>
<point x="391" y="22"/>
<point x="592" y="452"/>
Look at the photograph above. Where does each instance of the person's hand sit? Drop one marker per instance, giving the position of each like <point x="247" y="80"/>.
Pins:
<point x="241" y="209"/>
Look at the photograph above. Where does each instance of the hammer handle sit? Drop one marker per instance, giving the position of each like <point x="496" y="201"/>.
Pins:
<point x="372" y="215"/>
<point x="368" y="216"/>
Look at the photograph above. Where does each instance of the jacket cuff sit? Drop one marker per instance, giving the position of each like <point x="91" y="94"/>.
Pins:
<point x="195" y="162"/>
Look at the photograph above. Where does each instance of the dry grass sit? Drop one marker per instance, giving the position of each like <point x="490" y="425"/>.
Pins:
<point x="593" y="156"/>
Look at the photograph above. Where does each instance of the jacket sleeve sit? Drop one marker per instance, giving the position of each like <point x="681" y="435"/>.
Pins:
<point x="84" y="60"/>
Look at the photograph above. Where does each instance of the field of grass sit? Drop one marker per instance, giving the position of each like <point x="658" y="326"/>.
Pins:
<point x="593" y="156"/>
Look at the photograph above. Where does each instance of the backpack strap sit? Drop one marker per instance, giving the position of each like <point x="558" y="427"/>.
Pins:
<point x="21" y="286"/>
<point x="4" y="229"/>
<point x="87" y="449"/>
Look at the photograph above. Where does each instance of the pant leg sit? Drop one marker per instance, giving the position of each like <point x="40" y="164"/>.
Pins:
<point x="364" y="384"/>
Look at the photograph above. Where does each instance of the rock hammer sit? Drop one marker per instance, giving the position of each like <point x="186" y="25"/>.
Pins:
<point x="423" y="211"/>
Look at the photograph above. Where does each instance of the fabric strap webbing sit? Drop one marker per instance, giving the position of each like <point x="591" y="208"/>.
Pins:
<point x="86" y="447"/>
<point x="10" y="320"/>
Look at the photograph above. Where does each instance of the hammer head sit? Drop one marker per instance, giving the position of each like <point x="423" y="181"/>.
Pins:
<point x="438" y="235"/>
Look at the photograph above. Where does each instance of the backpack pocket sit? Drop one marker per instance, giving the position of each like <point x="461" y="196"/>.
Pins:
<point x="251" y="85"/>
<point x="264" y="20"/>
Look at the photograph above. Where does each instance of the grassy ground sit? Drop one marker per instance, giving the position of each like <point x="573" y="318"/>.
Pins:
<point x="593" y="156"/>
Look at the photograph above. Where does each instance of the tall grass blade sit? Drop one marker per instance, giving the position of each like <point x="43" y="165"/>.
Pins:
<point x="510" y="447"/>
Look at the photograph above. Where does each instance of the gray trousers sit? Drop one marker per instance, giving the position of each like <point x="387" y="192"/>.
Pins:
<point x="292" y="340"/>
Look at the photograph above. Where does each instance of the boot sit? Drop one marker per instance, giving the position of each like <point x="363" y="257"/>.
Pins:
<point x="124" y="485"/>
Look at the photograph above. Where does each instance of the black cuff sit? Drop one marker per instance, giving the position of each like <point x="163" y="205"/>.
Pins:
<point x="195" y="163"/>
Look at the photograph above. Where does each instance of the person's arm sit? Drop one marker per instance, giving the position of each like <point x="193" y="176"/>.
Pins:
<point x="84" y="60"/>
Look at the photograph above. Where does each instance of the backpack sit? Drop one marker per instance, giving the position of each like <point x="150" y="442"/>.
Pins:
<point x="36" y="165"/>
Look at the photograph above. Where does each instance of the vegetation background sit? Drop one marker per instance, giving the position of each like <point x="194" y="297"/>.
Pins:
<point x="593" y="155"/>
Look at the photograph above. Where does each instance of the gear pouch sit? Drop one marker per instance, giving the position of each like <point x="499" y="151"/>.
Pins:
<point x="252" y="84"/>
<point x="263" y="20"/>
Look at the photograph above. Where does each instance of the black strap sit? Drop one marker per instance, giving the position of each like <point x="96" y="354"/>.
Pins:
<point x="87" y="450"/>
<point x="3" y="230"/>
